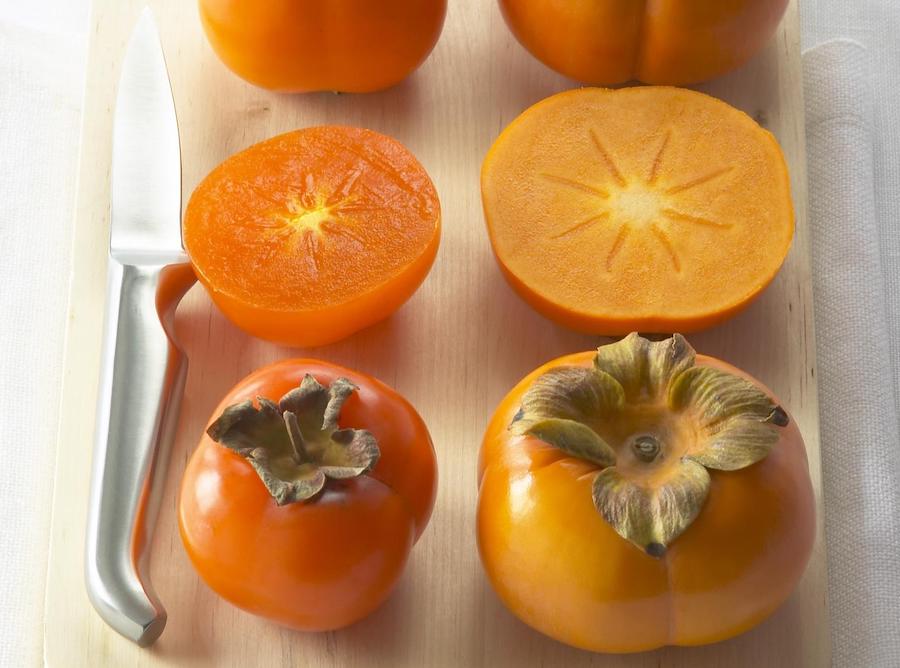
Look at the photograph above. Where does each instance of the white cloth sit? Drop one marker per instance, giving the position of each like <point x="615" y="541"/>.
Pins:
<point x="854" y="138"/>
<point x="876" y="25"/>
<point x="41" y="82"/>
<point x="859" y="419"/>
<point x="853" y="135"/>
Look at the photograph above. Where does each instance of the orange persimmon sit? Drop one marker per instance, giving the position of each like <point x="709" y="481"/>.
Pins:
<point x="303" y="499"/>
<point x="650" y="209"/>
<point x="312" y="235"/>
<point x="658" y="41"/>
<point x="349" y="46"/>
<point x="638" y="496"/>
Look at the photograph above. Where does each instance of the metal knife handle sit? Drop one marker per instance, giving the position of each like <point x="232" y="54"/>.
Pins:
<point x="141" y="383"/>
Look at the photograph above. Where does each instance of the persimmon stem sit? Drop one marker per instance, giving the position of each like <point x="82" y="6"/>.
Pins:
<point x="646" y="448"/>
<point x="296" y="445"/>
<point x="293" y="428"/>
<point x="691" y="419"/>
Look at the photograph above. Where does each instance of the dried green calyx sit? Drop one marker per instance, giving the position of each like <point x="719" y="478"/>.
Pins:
<point x="295" y="446"/>
<point x="654" y="423"/>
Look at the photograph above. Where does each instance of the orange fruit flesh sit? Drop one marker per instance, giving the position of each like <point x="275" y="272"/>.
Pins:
<point x="649" y="209"/>
<point x="311" y="235"/>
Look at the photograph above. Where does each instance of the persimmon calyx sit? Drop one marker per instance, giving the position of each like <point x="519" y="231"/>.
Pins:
<point x="295" y="446"/>
<point x="654" y="423"/>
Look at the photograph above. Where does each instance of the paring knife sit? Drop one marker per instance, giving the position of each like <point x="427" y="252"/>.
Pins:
<point x="142" y="368"/>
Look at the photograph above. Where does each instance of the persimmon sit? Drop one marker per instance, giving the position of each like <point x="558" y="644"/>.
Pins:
<point x="307" y="237"/>
<point x="657" y="42"/>
<point x="303" y="499"/>
<point x="641" y="495"/>
<point x="349" y="46"/>
<point x="650" y="209"/>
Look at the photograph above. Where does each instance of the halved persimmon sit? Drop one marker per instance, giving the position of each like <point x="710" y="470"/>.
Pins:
<point x="312" y="235"/>
<point x="654" y="209"/>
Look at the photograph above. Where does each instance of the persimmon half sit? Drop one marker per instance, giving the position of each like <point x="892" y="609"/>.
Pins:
<point x="348" y="46"/>
<point x="306" y="494"/>
<point x="651" y="209"/>
<point x="654" y="41"/>
<point x="641" y="495"/>
<point x="312" y="235"/>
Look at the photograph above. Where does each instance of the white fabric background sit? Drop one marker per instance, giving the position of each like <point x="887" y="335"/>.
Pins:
<point x="859" y="421"/>
<point x="854" y="140"/>
<point x="42" y="52"/>
<point x="876" y="25"/>
<point x="853" y="134"/>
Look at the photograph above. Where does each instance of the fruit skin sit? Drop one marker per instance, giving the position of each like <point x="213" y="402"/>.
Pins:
<point x="558" y="566"/>
<point x="233" y="209"/>
<point x="323" y="325"/>
<point x="674" y="42"/>
<point x="320" y="565"/>
<point x="515" y="198"/>
<point x="348" y="46"/>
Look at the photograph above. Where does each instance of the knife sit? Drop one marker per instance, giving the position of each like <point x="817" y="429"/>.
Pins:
<point x="142" y="369"/>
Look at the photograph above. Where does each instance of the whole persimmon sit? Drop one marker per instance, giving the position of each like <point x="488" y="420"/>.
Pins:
<point x="658" y="41"/>
<point x="641" y="495"/>
<point x="303" y="499"/>
<point x="348" y="46"/>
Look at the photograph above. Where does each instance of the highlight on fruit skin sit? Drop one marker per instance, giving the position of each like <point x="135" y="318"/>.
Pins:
<point x="652" y="209"/>
<point x="675" y="42"/>
<point x="304" y="497"/>
<point x="346" y="46"/>
<point x="642" y="495"/>
<point x="310" y="236"/>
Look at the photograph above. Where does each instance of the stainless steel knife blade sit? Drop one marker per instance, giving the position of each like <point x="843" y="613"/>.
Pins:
<point x="142" y="368"/>
<point x="146" y="159"/>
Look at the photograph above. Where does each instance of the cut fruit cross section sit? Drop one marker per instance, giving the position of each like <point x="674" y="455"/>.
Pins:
<point x="653" y="209"/>
<point x="312" y="235"/>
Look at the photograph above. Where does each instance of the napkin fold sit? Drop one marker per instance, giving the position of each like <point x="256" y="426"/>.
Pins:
<point x="857" y="392"/>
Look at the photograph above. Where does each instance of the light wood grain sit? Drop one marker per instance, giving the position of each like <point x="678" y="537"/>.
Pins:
<point x="453" y="350"/>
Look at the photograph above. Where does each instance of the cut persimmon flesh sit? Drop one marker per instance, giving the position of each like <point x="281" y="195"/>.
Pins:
<point x="312" y="235"/>
<point x="651" y="209"/>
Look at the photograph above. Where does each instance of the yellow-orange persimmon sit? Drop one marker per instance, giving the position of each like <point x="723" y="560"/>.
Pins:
<point x="312" y="235"/>
<point x="350" y="46"/>
<point x="303" y="499"/>
<point x="657" y="42"/>
<point x="640" y="496"/>
<point x="650" y="209"/>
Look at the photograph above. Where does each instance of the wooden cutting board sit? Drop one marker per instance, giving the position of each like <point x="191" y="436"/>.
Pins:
<point x="453" y="350"/>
